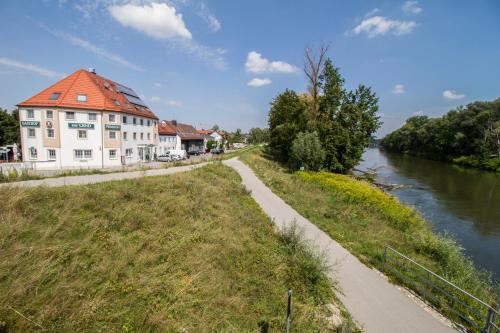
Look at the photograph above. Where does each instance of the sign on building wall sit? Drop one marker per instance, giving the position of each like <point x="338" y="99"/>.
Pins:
<point x="30" y="123"/>
<point x="81" y="125"/>
<point x="112" y="127"/>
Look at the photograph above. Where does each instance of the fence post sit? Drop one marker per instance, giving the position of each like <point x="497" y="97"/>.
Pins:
<point x="490" y="319"/>
<point x="288" y="311"/>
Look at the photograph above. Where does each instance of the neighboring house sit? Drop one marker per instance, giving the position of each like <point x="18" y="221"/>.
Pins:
<point x="217" y="136"/>
<point x="191" y="140"/>
<point x="86" y="121"/>
<point x="169" y="140"/>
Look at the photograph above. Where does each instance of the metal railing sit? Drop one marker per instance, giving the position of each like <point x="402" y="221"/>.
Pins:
<point x="459" y="305"/>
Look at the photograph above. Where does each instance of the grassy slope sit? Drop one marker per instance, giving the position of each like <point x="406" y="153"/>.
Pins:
<point x="190" y="252"/>
<point x="364" y="220"/>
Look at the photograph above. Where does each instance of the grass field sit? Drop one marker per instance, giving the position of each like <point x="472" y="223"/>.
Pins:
<point x="190" y="252"/>
<point x="364" y="219"/>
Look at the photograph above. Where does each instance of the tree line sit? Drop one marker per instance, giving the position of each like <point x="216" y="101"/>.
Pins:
<point x="9" y="127"/>
<point x="468" y="135"/>
<point x="328" y="127"/>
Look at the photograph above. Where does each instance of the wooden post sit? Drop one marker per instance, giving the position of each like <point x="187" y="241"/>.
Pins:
<point x="288" y="311"/>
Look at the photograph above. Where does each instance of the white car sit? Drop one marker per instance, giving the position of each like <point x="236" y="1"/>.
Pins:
<point x="164" y="158"/>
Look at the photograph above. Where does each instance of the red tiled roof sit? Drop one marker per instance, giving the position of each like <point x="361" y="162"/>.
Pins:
<point x="166" y="129"/>
<point x="204" y="132"/>
<point x="101" y="95"/>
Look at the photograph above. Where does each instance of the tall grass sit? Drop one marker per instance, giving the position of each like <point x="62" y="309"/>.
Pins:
<point x="190" y="252"/>
<point x="364" y="219"/>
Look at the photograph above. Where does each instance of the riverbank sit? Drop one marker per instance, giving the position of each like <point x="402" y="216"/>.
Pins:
<point x="187" y="252"/>
<point x="365" y="220"/>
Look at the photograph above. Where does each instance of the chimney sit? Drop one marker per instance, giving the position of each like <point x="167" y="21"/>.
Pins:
<point x="174" y="122"/>
<point x="92" y="70"/>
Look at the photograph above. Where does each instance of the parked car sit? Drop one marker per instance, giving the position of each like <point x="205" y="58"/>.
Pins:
<point x="217" y="151"/>
<point x="195" y="152"/>
<point x="164" y="158"/>
<point x="181" y="153"/>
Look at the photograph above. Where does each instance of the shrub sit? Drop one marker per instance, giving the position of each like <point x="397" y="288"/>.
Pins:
<point x="307" y="152"/>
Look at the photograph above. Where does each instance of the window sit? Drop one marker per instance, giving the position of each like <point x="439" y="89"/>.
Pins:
<point x="81" y="98"/>
<point x="30" y="114"/>
<point x="70" y="115"/>
<point x="50" y="133"/>
<point x="124" y="119"/>
<point x="124" y="135"/>
<point x="112" y="135"/>
<point x="129" y="152"/>
<point x="33" y="153"/>
<point x="117" y="103"/>
<point x="135" y="121"/>
<point x="142" y="136"/>
<point x="55" y="96"/>
<point x="83" y="154"/>
<point x="112" y="154"/>
<point x="142" y="122"/>
<point x="31" y="133"/>
<point x="149" y="136"/>
<point x="155" y="136"/>
<point x="92" y="116"/>
<point x="112" y="118"/>
<point x="82" y="134"/>
<point x="149" y="122"/>
<point x="135" y="136"/>
<point x="51" y="154"/>
<point x="49" y="114"/>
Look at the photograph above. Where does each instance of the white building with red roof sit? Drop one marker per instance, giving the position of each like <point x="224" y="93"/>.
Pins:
<point x="87" y="121"/>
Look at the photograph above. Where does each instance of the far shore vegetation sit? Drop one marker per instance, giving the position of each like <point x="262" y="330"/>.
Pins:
<point x="364" y="219"/>
<point x="191" y="252"/>
<point x="468" y="136"/>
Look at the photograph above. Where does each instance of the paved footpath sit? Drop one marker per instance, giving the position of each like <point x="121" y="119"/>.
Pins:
<point x="99" y="178"/>
<point x="376" y="304"/>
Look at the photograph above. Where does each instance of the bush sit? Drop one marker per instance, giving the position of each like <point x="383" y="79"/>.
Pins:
<point x="307" y="152"/>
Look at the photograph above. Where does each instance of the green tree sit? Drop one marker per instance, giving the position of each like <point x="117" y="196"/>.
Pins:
<point x="215" y="127"/>
<point x="211" y="144"/>
<point x="307" y="152"/>
<point x="9" y="127"/>
<point x="287" y="117"/>
<point x="258" y="135"/>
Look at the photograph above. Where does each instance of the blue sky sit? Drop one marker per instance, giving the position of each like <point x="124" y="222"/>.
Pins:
<point x="207" y="62"/>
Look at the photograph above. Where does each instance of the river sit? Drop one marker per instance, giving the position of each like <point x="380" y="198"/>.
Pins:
<point x="462" y="202"/>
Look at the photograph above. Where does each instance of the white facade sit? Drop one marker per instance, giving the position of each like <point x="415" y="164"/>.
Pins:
<point x="168" y="142"/>
<point x="55" y="138"/>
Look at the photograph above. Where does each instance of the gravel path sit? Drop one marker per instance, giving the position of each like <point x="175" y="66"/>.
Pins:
<point x="99" y="178"/>
<point x="376" y="304"/>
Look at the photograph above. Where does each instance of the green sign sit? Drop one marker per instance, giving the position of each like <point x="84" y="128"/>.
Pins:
<point x="81" y="125"/>
<point x="112" y="127"/>
<point x="29" y="123"/>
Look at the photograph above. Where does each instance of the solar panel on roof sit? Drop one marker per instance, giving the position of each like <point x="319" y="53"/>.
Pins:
<point x="135" y="100"/>
<point x="125" y="90"/>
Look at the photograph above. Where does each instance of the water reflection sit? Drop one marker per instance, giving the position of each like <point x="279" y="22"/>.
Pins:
<point x="464" y="202"/>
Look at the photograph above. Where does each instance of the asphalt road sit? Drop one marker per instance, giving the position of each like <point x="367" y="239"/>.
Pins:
<point x="376" y="304"/>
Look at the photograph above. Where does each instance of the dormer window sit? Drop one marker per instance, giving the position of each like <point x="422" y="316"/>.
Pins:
<point x="117" y="103"/>
<point x="55" y="96"/>
<point x="81" y="98"/>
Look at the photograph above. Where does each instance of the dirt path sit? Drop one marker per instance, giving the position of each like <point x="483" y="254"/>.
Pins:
<point x="376" y="304"/>
<point x="99" y="178"/>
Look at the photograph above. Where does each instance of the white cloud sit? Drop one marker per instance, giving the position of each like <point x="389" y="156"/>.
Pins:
<point x="411" y="7"/>
<point x="256" y="82"/>
<point x="209" y="18"/>
<point x="418" y="113"/>
<point x="372" y="12"/>
<point x="173" y="103"/>
<point x="452" y="95"/>
<point x="379" y="26"/>
<point x="157" y="20"/>
<point x="155" y="99"/>
<point x="212" y="56"/>
<point x="398" y="89"/>
<point x="158" y="85"/>
<point x="29" y="67"/>
<point x="257" y="64"/>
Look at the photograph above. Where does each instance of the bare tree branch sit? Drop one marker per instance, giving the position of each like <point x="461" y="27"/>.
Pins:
<point x="313" y="66"/>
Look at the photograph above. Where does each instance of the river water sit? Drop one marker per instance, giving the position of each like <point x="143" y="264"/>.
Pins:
<point x="462" y="202"/>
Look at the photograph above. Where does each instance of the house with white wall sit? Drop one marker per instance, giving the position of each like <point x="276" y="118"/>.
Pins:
<point x="86" y="121"/>
<point x="169" y="139"/>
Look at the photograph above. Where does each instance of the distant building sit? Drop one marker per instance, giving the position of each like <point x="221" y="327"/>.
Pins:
<point x="191" y="140"/>
<point x="169" y="139"/>
<point x="217" y="136"/>
<point x="86" y="120"/>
